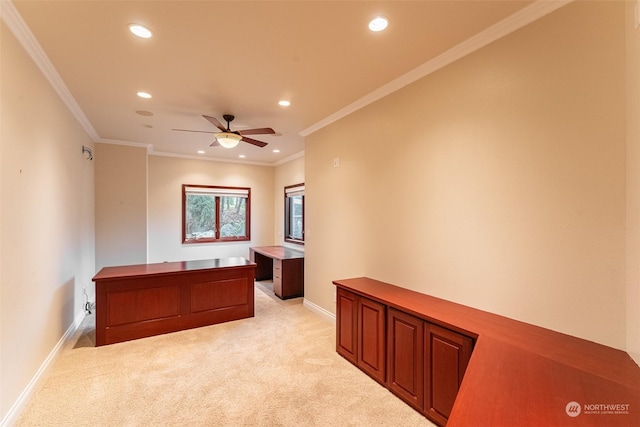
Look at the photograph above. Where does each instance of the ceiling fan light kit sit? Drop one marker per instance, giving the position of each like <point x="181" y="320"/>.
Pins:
<point x="228" y="139"/>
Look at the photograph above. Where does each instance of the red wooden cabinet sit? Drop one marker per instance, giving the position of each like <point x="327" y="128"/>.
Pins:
<point x="447" y="355"/>
<point x="426" y="363"/>
<point x="420" y="362"/>
<point x="521" y="374"/>
<point x="347" y="325"/>
<point x="137" y="301"/>
<point x="360" y="333"/>
<point x="372" y="338"/>
<point x="406" y="357"/>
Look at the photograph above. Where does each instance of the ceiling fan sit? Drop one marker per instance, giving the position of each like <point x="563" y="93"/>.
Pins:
<point x="228" y="138"/>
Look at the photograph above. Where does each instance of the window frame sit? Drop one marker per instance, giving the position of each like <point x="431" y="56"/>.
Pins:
<point x="289" y="191"/>
<point x="217" y="192"/>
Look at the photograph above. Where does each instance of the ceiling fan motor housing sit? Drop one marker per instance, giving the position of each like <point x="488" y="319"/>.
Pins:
<point x="228" y="118"/>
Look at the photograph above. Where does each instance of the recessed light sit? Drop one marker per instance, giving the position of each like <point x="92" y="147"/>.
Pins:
<point x="379" y="23"/>
<point x="144" y="95"/>
<point x="284" y="103"/>
<point x="242" y="156"/>
<point x="200" y="152"/>
<point x="144" y="113"/>
<point x="140" y="31"/>
<point x="144" y="125"/>
<point x="276" y="151"/>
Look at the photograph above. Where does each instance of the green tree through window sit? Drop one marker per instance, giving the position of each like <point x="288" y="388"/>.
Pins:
<point x="294" y="214"/>
<point x="212" y="213"/>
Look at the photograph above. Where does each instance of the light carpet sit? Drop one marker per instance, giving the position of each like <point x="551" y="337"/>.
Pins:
<point x="279" y="368"/>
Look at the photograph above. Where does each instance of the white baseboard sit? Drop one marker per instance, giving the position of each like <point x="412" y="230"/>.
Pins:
<point x="319" y="310"/>
<point x="12" y="416"/>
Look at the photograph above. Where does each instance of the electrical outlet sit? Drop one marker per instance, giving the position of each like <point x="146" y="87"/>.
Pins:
<point x="336" y="162"/>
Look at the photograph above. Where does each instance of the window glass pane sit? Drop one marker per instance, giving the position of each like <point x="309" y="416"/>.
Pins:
<point x="295" y="217"/>
<point x="200" y="216"/>
<point x="233" y="221"/>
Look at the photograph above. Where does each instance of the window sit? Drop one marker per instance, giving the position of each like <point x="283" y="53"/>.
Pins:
<point x="215" y="214"/>
<point x="294" y="214"/>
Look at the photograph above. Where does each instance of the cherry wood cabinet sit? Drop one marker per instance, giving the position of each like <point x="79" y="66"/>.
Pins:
<point x="406" y="363"/>
<point x="137" y="301"/>
<point x="447" y="355"/>
<point x="418" y="361"/>
<point x="426" y="363"/>
<point x="347" y="325"/>
<point x="371" y="338"/>
<point x="360" y="333"/>
<point x="483" y="369"/>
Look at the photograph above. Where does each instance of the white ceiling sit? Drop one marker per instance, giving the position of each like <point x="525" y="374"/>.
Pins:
<point x="241" y="57"/>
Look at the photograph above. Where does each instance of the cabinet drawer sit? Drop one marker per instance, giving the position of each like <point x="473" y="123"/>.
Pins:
<point x="277" y="286"/>
<point x="277" y="269"/>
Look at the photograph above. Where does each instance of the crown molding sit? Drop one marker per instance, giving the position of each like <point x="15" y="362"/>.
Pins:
<point x="508" y="25"/>
<point x="290" y="158"/>
<point x="152" y="152"/>
<point x="209" y="159"/>
<point x="21" y="31"/>
<point x="148" y="147"/>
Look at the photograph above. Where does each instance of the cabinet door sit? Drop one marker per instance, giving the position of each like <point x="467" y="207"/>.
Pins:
<point x="291" y="272"/>
<point x="371" y="338"/>
<point x="405" y="369"/>
<point x="346" y="325"/>
<point x="447" y="354"/>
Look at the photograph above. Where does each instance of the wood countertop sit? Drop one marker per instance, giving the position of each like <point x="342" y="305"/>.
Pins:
<point x="107" y="273"/>
<point x="521" y="374"/>
<point x="278" y="252"/>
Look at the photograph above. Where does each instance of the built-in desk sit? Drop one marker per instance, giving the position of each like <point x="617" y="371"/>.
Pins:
<point x="284" y="265"/>
<point x="461" y="366"/>
<point x="136" y="301"/>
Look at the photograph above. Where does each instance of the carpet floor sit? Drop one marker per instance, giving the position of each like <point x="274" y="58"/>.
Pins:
<point x="279" y="368"/>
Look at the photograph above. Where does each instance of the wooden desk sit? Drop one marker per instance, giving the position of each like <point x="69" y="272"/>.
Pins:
<point x="518" y="374"/>
<point x="284" y="265"/>
<point x="137" y="301"/>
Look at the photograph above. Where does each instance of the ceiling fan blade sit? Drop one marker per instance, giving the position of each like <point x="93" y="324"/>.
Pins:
<point x="258" y="131"/>
<point x="254" y="141"/>
<point x="215" y="143"/>
<point x="190" y="130"/>
<point x="215" y="122"/>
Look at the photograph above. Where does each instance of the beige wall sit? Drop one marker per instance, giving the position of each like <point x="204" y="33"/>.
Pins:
<point x="166" y="176"/>
<point x="289" y="173"/>
<point x="633" y="183"/>
<point x="47" y="229"/>
<point x="121" y="205"/>
<point x="497" y="182"/>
